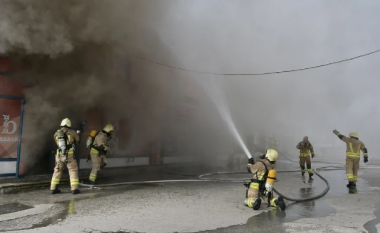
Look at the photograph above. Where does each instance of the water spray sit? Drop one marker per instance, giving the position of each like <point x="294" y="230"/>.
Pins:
<point x="219" y="99"/>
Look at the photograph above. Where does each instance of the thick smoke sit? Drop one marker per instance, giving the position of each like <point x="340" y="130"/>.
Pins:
<point x="69" y="53"/>
<point x="255" y="37"/>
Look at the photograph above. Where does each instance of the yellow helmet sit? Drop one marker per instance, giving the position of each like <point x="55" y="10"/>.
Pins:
<point x="108" y="128"/>
<point x="66" y="122"/>
<point x="354" y="134"/>
<point x="271" y="155"/>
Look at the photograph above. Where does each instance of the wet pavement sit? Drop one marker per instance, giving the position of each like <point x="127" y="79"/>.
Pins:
<point x="13" y="207"/>
<point x="199" y="206"/>
<point x="371" y="225"/>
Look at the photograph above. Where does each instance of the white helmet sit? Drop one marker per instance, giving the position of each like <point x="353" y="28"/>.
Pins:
<point x="271" y="155"/>
<point x="66" y="122"/>
<point x="354" y="134"/>
<point x="108" y="128"/>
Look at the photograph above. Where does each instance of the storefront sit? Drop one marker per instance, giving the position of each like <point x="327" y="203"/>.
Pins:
<point x="11" y="120"/>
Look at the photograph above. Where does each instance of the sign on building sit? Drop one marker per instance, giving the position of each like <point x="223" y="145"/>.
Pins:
<point x="11" y="113"/>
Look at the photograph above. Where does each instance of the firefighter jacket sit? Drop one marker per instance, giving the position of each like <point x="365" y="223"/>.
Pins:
<point x="305" y="148"/>
<point x="354" y="146"/>
<point x="258" y="169"/>
<point x="100" y="144"/>
<point x="71" y="139"/>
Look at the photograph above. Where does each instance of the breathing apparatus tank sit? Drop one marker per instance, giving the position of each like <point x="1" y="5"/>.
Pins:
<point x="270" y="180"/>
<point x="91" y="138"/>
<point x="61" y="141"/>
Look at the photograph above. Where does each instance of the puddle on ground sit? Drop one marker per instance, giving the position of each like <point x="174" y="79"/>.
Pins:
<point x="273" y="220"/>
<point x="70" y="205"/>
<point x="371" y="225"/>
<point x="13" y="207"/>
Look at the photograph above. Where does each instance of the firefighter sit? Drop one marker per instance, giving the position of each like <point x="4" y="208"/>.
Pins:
<point x="261" y="185"/>
<point x="305" y="147"/>
<point x="354" y="146"/>
<point x="66" y="138"/>
<point x="99" y="150"/>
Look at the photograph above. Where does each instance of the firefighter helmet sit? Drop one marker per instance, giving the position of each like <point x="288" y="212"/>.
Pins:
<point x="108" y="128"/>
<point x="354" y="134"/>
<point x="271" y="155"/>
<point x="66" y="122"/>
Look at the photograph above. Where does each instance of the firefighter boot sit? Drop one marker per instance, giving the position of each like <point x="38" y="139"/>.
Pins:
<point x="76" y="191"/>
<point x="310" y="176"/>
<point x="257" y="204"/>
<point x="92" y="182"/>
<point x="280" y="203"/>
<point x="56" y="190"/>
<point x="103" y="165"/>
<point x="351" y="184"/>
<point x="303" y="173"/>
<point x="352" y="190"/>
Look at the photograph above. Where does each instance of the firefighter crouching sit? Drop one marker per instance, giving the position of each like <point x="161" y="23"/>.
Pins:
<point x="306" y="148"/>
<point x="354" y="146"/>
<point x="99" y="148"/>
<point x="261" y="185"/>
<point x="66" y="138"/>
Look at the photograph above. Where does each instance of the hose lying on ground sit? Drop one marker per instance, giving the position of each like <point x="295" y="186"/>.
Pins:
<point x="202" y="178"/>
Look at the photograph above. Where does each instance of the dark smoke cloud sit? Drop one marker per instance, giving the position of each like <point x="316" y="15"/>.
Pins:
<point x="71" y="54"/>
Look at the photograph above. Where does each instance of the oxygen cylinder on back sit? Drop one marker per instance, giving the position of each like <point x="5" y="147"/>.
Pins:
<point x="61" y="141"/>
<point x="91" y="138"/>
<point x="270" y="180"/>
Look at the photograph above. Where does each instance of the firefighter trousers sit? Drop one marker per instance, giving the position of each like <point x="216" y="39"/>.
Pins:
<point x="305" y="159"/>
<point x="253" y="194"/>
<point x="97" y="160"/>
<point x="60" y="165"/>
<point x="352" y="168"/>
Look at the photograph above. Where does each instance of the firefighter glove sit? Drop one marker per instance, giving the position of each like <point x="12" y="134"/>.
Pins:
<point x="250" y="161"/>
<point x="365" y="159"/>
<point x="336" y="132"/>
<point x="312" y="155"/>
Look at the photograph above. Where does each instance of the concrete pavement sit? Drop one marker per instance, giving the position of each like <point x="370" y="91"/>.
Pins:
<point x="200" y="207"/>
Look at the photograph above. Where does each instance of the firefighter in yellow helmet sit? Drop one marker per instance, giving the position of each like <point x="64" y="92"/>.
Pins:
<point x="354" y="146"/>
<point x="99" y="150"/>
<point x="261" y="185"/>
<point x="306" y="148"/>
<point x="66" y="138"/>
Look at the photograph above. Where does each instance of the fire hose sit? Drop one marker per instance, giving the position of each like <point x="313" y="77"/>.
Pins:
<point x="202" y="178"/>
